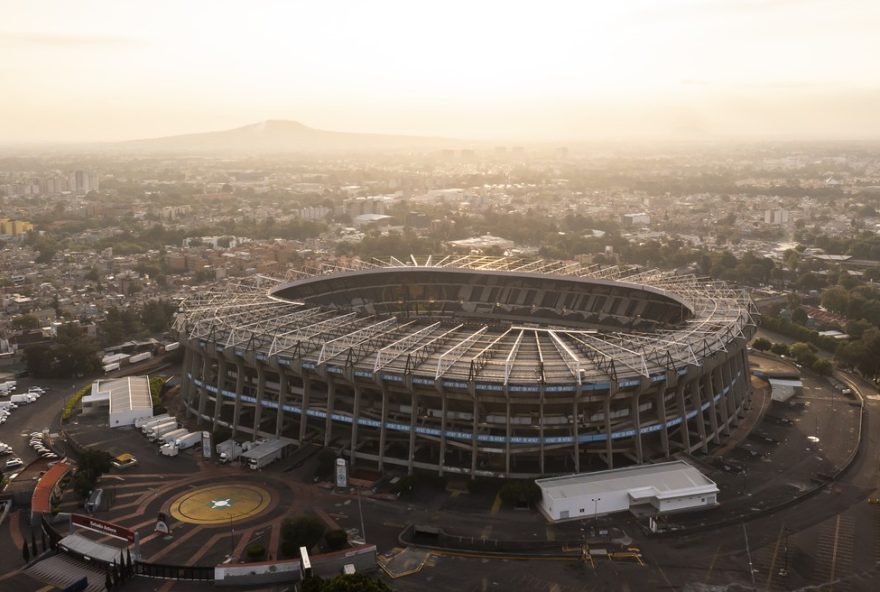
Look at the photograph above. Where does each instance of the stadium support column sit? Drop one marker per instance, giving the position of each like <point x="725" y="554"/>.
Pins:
<point x="355" y="415"/>
<point x="717" y="383"/>
<point x="682" y="408"/>
<point x="200" y="362"/>
<point x="221" y="386"/>
<point x="304" y="414"/>
<point x="239" y="387"/>
<point x="474" y="423"/>
<point x="696" y="399"/>
<point x="606" y="411"/>
<point x="575" y="431"/>
<point x="541" y="429"/>
<point x="282" y="399"/>
<point x="507" y="432"/>
<point x="413" y="421"/>
<point x="382" y="427"/>
<point x="186" y="379"/>
<point x="442" y="462"/>
<point x="261" y="391"/>
<point x="709" y="389"/>
<point x="740" y="365"/>
<point x="660" y="408"/>
<point x="636" y="416"/>
<point x="727" y="380"/>
<point x="331" y="401"/>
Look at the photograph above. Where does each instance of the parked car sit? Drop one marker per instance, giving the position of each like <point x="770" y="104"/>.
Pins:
<point x="14" y="463"/>
<point x="124" y="461"/>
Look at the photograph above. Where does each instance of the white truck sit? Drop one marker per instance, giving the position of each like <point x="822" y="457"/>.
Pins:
<point x="228" y="451"/>
<point x="161" y="429"/>
<point x="142" y="421"/>
<point x="142" y="357"/>
<point x="7" y="387"/>
<point x="149" y="425"/>
<point x="264" y="454"/>
<point x="188" y="440"/>
<point x="24" y="398"/>
<point x="170" y="437"/>
<point x="169" y="449"/>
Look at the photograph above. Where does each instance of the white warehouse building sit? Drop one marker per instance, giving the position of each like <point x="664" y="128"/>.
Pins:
<point x="644" y="489"/>
<point x="126" y="399"/>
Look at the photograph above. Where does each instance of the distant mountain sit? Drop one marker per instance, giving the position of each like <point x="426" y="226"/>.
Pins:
<point x="275" y="136"/>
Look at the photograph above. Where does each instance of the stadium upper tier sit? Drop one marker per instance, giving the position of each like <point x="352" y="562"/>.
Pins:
<point x="496" y="320"/>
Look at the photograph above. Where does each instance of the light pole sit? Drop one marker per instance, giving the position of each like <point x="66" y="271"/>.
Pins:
<point x="231" y="534"/>
<point x="596" y="501"/>
<point x="361" y="512"/>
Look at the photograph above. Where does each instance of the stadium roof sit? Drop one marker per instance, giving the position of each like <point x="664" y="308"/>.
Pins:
<point x="479" y="345"/>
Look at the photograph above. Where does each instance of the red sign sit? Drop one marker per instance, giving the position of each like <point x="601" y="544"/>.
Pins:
<point x="107" y="528"/>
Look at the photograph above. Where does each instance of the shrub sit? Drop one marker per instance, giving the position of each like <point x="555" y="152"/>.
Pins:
<point x="761" y="344"/>
<point x="336" y="539"/>
<point x="255" y="551"/>
<point x="73" y="401"/>
<point x="302" y="531"/>
<point x="520" y="492"/>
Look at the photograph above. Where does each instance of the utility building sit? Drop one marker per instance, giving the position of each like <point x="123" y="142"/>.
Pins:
<point x="126" y="399"/>
<point x="644" y="489"/>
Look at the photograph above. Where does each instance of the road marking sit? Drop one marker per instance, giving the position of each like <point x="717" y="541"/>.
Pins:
<point x="496" y="505"/>
<point x="834" y="554"/>
<point x="554" y="587"/>
<point x="712" y="563"/>
<point x="771" y="571"/>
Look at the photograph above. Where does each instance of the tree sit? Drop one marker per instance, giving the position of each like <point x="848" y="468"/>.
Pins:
<point x="761" y="344"/>
<point x="803" y="353"/>
<point x="822" y="366"/>
<point x="799" y="316"/>
<point x="780" y="349"/>
<point x="835" y="299"/>
<point x="336" y="539"/>
<point x="326" y="463"/>
<point x="302" y="531"/>
<point x="354" y="583"/>
<point x="25" y="323"/>
<point x="72" y="354"/>
<point x="519" y="492"/>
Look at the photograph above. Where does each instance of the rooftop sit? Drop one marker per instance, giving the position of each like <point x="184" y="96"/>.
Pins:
<point x="668" y="479"/>
<point x="128" y="393"/>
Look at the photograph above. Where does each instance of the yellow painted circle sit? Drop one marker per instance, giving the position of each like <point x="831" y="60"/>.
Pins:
<point x="220" y="504"/>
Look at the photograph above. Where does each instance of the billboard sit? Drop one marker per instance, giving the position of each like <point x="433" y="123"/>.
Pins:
<point x="206" y="444"/>
<point x="108" y="528"/>
<point x="341" y="473"/>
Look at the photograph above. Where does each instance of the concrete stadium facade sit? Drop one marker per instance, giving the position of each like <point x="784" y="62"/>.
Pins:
<point x="481" y="366"/>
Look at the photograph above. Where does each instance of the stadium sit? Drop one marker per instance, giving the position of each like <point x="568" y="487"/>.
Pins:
<point x="482" y="366"/>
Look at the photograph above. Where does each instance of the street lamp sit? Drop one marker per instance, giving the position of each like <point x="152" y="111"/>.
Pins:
<point x="596" y="501"/>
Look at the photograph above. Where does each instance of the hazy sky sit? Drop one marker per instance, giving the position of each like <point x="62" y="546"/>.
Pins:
<point x="107" y="70"/>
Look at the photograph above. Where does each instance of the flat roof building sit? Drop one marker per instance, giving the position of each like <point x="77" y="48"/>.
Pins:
<point x="644" y="489"/>
<point x="127" y="399"/>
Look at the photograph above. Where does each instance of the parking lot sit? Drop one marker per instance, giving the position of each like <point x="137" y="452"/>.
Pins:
<point x="42" y="415"/>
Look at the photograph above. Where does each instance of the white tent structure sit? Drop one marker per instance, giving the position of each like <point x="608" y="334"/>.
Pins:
<point x="128" y="399"/>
